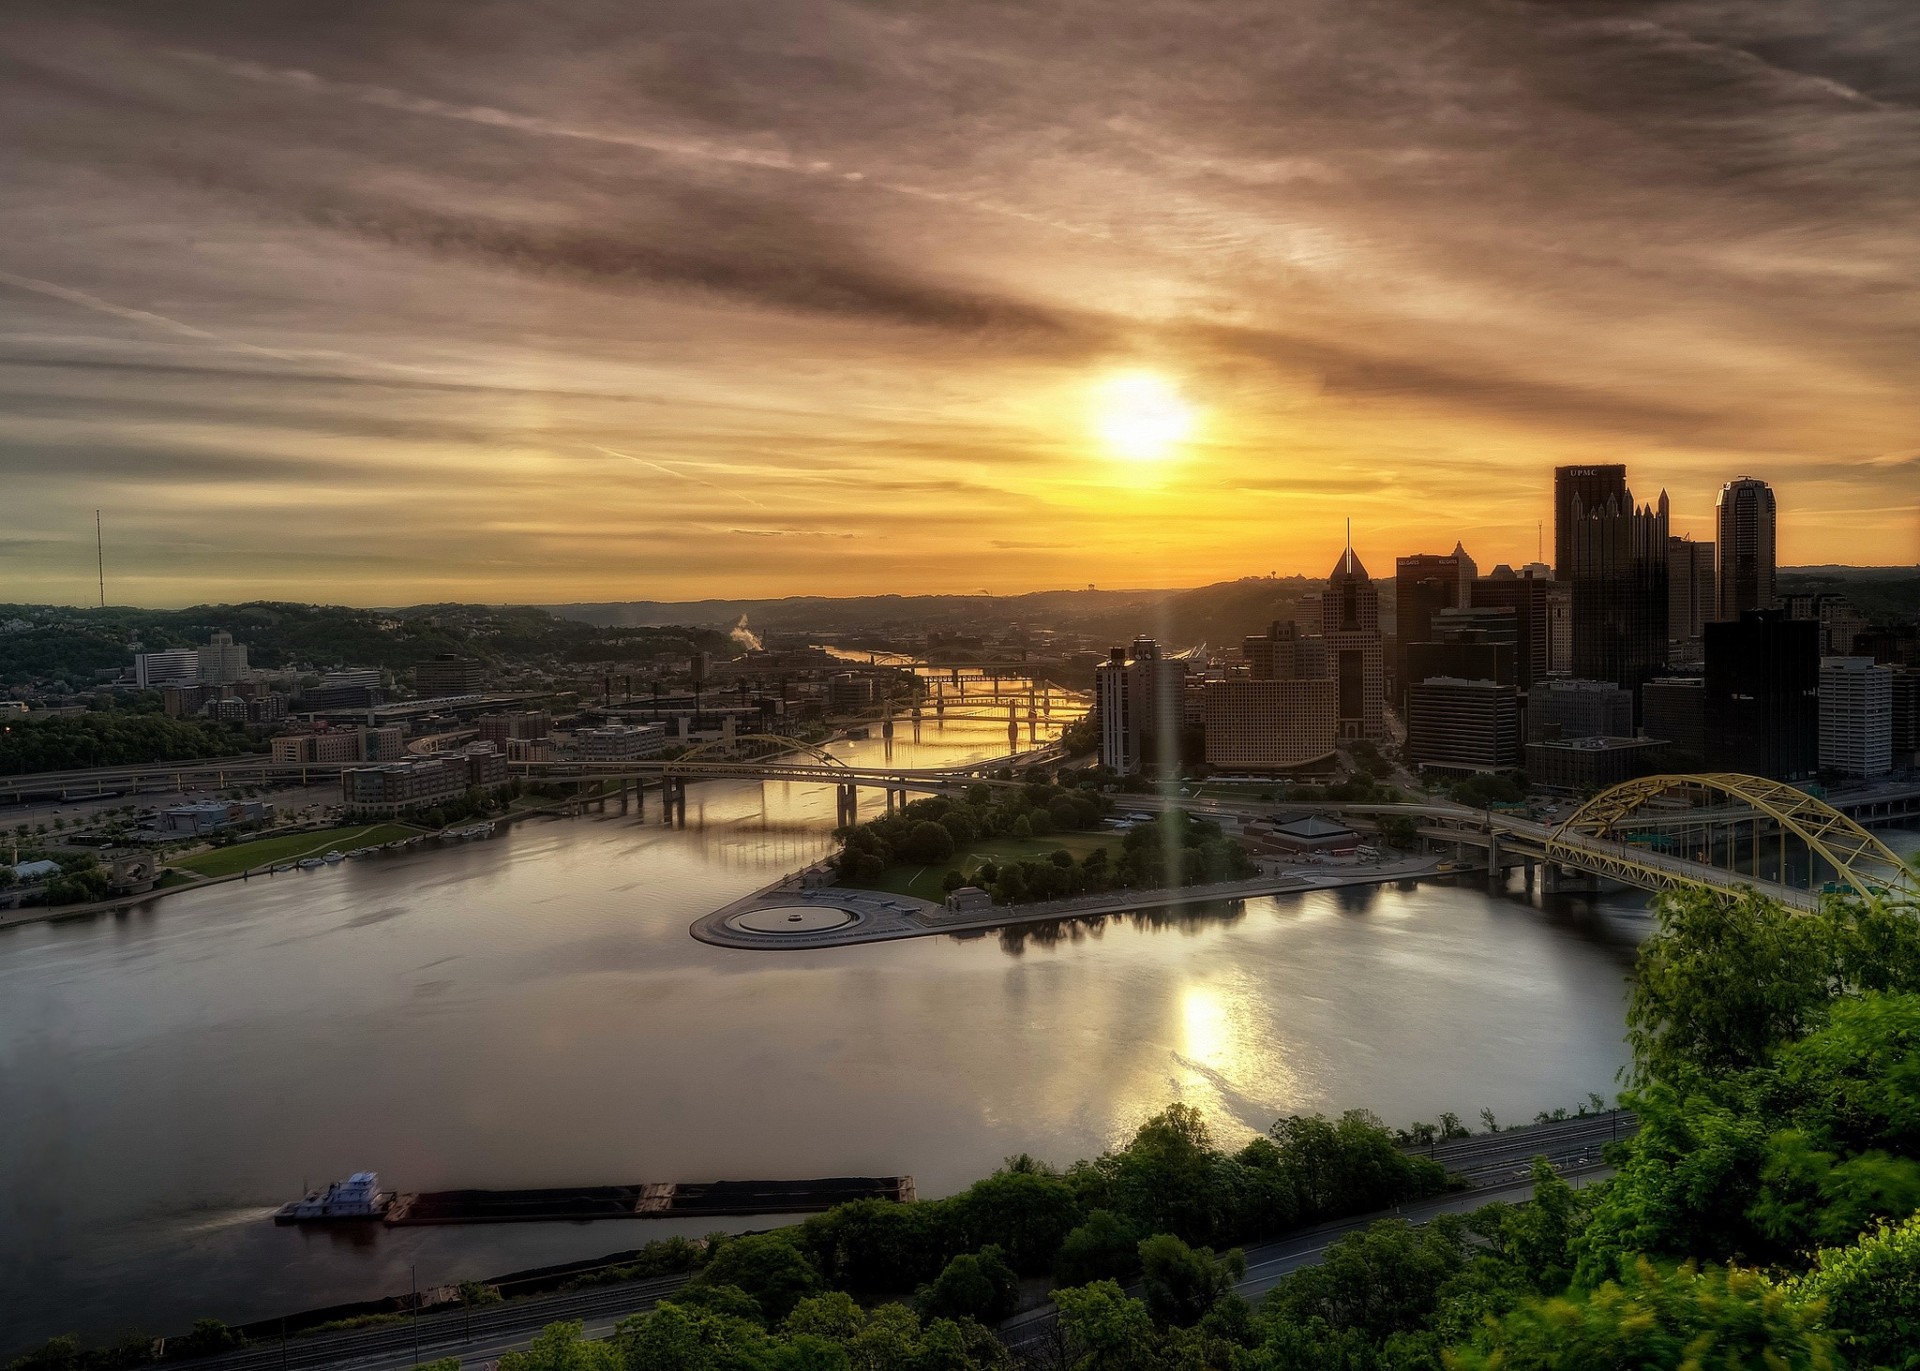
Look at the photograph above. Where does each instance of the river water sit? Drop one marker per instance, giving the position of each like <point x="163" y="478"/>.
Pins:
<point x="530" y="1010"/>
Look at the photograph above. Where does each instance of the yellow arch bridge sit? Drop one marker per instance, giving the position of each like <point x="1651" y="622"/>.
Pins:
<point x="1720" y="830"/>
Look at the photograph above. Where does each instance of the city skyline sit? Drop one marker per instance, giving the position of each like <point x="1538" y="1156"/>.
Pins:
<point x="385" y="309"/>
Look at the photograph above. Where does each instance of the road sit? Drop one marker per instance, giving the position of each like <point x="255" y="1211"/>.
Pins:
<point x="1497" y="1165"/>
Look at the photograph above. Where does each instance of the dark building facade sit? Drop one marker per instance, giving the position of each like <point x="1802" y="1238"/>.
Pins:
<point x="1350" y="624"/>
<point x="448" y="674"/>
<point x="1468" y="653"/>
<point x="1424" y="585"/>
<point x="1618" y="566"/>
<point x="1526" y="595"/>
<point x="1763" y="696"/>
<point x="1675" y="708"/>
<point x="1462" y="725"/>
<point x="1592" y="486"/>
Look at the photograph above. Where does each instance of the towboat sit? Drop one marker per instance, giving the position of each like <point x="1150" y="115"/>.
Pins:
<point x="358" y="1197"/>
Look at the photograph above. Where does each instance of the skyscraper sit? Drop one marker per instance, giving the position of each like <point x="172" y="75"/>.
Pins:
<point x="1690" y="592"/>
<point x="1763" y="696"/>
<point x="1527" y="595"/>
<point x="1617" y="561"/>
<point x="1744" y="513"/>
<point x="1424" y="584"/>
<point x="1469" y="573"/>
<point x="1590" y="486"/>
<point x="1350" y="624"/>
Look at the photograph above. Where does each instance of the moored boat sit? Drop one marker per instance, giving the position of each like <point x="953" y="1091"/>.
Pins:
<point x="309" y="863"/>
<point x="335" y="857"/>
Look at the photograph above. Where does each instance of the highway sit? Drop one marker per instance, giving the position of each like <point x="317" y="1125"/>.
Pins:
<point x="1497" y="1166"/>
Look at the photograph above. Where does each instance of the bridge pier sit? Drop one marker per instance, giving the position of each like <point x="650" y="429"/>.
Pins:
<point x="1496" y="874"/>
<point x="846" y="806"/>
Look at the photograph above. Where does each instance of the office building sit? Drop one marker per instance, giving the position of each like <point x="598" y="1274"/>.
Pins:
<point x="222" y="660"/>
<point x="184" y="701"/>
<point x="449" y="674"/>
<point x="1744" y="516"/>
<point x="1469" y="572"/>
<point x="1350" y="624"/>
<point x="1559" y="628"/>
<point x="1840" y="623"/>
<point x="210" y="816"/>
<point x="1424" y="584"/>
<point x="1463" y="725"/>
<point x="1578" y="709"/>
<point x="849" y="693"/>
<point x="385" y="744"/>
<point x="1856" y="716"/>
<point x="620" y="742"/>
<point x="1763" y="696"/>
<point x="419" y="783"/>
<point x="175" y="665"/>
<point x="1525" y="595"/>
<point x="1690" y="596"/>
<point x="1591" y="487"/>
<point x="1906" y="716"/>
<point x="1141" y="701"/>
<point x="1618" y="565"/>
<point x="1474" y="651"/>
<point x="352" y="676"/>
<point x="1268" y="725"/>
<point x="325" y="698"/>
<point x="1675" y="708"/>
<point x="1586" y="765"/>
<point x="1275" y="655"/>
<point x="499" y="729"/>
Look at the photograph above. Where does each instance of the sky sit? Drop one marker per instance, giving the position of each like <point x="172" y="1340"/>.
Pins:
<point x="392" y="301"/>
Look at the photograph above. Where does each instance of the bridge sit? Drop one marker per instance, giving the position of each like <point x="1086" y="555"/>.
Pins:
<point x="1720" y="831"/>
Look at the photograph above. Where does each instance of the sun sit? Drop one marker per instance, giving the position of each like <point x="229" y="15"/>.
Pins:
<point x="1142" y="416"/>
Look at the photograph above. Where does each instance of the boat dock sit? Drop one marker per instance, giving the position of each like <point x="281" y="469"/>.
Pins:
<point x="656" y="1200"/>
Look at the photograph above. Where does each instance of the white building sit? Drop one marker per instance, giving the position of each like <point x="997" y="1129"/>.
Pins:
<point x="1856" y="716"/>
<point x="175" y="666"/>
<point x="222" y="660"/>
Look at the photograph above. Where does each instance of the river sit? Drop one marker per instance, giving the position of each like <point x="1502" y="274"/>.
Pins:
<point x="530" y="1010"/>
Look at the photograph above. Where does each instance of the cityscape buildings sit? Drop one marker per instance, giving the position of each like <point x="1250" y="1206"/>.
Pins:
<point x="1424" y="584"/>
<point x="1463" y="725"/>
<point x="1525" y="594"/>
<point x="1579" y="709"/>
<point x="1744" y="519"/>
<point x="1690" y="596"/>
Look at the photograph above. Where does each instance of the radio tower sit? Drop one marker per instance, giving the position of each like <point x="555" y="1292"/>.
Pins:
<point x="100" y="558"/>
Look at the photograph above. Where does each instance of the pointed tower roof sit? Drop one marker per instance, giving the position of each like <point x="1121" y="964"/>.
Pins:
<point x="1349" y="565"/>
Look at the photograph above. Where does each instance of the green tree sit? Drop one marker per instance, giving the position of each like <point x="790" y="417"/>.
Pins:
<point x="974" y="1285"/>
<point x="1104" y="1330"/>
<point x="1182" y="1283"/>
<point x="1656" y="1320"/>
<point x="1868" y="1295"/>
<point x="1102" y="1247"/>
<point x="561" y="1348"/>
<point x="769" y="1267"/>
<point x="927" y="843"/>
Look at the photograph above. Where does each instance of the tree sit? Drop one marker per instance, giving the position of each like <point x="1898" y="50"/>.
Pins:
<point x="769" y="1267"/>
<point x="561" y="1348"/>
<point x="1656" y="1320"/>
<point x="927" y="843"/>
<point x="979" y="1286"/>
<point x="1105" y="1330"/>
<point x="1104" y="1246"/>
<point x="1869" y="1295"/>
<point x="1182" y="1283"/>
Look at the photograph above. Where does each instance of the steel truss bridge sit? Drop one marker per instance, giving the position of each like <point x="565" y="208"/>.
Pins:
<point x="1722" y="831"/>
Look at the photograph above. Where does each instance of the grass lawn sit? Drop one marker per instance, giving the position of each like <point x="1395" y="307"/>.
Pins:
<point x="225" y="861"/>
<point x="924" y="881"/>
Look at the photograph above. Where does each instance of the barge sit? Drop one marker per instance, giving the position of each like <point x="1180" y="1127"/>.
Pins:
<point x="584" y="1204"/>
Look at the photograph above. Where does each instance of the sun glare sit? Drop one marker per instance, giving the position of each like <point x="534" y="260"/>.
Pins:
<point x="1142" y="417"/>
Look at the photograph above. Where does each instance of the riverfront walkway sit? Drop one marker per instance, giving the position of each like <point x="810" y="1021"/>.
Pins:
<point x="787" y="916"/>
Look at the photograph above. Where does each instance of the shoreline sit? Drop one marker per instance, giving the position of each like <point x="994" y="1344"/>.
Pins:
<point x="879" y="916"/>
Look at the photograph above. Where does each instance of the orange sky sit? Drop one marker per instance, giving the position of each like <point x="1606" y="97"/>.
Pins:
<point x="429" y="300"/>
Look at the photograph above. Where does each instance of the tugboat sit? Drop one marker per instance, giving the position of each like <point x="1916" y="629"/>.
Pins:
<point x="358" y="1197"/>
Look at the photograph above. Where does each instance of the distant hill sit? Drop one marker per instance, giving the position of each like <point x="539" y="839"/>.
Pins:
<point x="1219" y="615"/>
<point x="861" y="612"/>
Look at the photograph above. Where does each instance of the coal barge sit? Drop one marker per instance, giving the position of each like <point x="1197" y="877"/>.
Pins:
<point x="584" y="1204"/>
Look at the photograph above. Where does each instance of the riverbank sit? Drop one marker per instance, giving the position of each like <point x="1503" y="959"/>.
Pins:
<point x="791" y="916"/>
